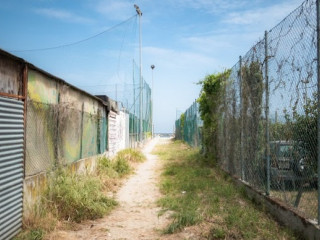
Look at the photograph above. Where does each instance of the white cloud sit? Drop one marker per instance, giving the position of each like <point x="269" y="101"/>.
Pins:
<point x="191" y="65"/>
<point x="115" y="10"/>
<point x="62" y="15"/>
<point x="264" y="17"/>
<point x="217" y="6"/>
<point x="237" y="32"/>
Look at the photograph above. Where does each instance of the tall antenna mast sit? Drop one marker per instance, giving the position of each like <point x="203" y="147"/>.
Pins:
<point x="140" y="63"/>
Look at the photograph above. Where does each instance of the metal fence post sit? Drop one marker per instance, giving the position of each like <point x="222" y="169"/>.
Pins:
<point x="267" y="113"/>
<point x="241" y="121"/>
<point x="318" y="103"/>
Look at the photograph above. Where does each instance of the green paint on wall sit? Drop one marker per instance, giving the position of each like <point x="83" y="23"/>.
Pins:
<point x="42" y="89"/>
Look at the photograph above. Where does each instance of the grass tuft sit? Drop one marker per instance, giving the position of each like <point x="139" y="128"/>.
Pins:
<point x="106" y="168"/>
<point x="77" y="197"/>
<point x="131" y="155"/>
<point x="121" y="166"/>
<point x="197" y="191"/>
<point x="34" y="234"/>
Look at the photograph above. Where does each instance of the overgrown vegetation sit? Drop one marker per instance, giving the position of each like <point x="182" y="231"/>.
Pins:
<point x="252" y="91"/>
<point x="303" y="128"/>
<point x="210" y="99"/>
<point x="75" y="197"/>
<point x="197" y="193"/>
<point x="300" y="127"/>
<point x="72" y="198"/>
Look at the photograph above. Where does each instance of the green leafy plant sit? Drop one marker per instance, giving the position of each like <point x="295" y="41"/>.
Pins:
<point x="211" y="95"/>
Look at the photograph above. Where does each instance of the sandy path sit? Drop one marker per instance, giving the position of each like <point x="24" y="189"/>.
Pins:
<point x="137" y="215"/>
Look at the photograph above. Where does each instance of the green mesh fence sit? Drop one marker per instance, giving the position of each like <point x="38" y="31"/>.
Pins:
<point x="132" y="100"/>
<point x="188" y="127"/>
<point x="59" y="135"/>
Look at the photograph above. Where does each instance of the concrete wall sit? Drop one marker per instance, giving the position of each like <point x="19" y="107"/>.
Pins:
<point x="63" y="123"/>
<point x="285" y="215"/>
<point x="65" y="126"/>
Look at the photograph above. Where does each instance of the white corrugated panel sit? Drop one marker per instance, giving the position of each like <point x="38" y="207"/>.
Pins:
<point x="11" y="166"/>
<point x="112" y="133"/>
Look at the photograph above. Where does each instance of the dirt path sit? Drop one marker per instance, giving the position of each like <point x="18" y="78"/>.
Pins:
<point x="137" y="215"/>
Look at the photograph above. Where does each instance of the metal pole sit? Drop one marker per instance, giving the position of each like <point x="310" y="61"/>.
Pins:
<point x="196" y="123"/>
<point x="318" y="105"/>
<point x="134" y="108"/>
<point x="241" y="121"/>
<point x="267" y="113"/>
<point x="116" y="92"/>
<point x="152" y="92"/>
<point x="140" y="63"/>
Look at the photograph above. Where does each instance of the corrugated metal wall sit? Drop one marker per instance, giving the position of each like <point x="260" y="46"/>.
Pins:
<point x="11" y="166"/>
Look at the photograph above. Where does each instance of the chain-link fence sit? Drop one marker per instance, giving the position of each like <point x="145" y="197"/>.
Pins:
<point x="188" y="126"/>
<point x="59" y="135"/>
<point x="268" y="116"/>
<point x="132" y="100"/>
<point x="127" y="94"/>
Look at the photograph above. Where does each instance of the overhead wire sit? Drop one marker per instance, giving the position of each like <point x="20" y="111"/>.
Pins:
<point x="120" y="52"/>
<point x="76" y="42"/>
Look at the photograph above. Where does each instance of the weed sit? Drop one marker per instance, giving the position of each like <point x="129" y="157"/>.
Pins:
<point x="121" y="166"/>
<point x="186" y="218"/>
<point x="217" y="233"/>
<point x="197" y="192"/>
<point x="76" y="197"/>
<point x="106" y="168"/>
<point x="34" y="234"/>
<point x="131" y="155"/>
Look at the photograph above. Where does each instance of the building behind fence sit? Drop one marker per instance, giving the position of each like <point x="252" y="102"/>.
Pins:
<point x="267" y="132"/>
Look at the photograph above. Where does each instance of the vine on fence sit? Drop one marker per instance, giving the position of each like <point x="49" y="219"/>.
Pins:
<point x="211" y="96"/>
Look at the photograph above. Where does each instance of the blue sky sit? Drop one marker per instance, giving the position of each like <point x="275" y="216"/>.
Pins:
<point x="184" y="39"/>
